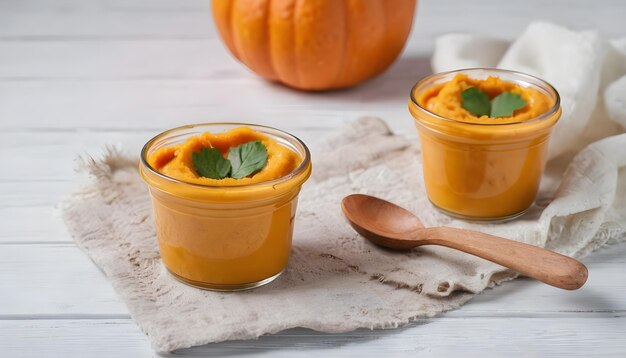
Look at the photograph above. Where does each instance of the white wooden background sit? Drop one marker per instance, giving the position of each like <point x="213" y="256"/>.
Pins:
<point x="76" y="75"/>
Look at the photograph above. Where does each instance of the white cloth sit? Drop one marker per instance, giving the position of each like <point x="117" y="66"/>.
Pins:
<point x="336" y="281"/>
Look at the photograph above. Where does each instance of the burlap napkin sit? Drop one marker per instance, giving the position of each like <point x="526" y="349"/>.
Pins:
<point x="336" y="281"/>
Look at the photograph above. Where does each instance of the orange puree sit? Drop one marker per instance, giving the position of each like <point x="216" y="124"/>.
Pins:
<point x="480" y="167"/>
<point x="176" y="161"/>
<point x="445" y="99"/>
<point x="226" y="234"/>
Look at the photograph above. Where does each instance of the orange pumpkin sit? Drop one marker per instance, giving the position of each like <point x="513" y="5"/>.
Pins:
<point x="315" y="44"/>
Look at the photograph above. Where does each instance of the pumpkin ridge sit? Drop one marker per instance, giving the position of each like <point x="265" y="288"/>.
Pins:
<point x="294" y="26"/>
<point x="233" y="31"/>
<point x="346" y="30"/>
<point x="380" y="65"/>
<point x="223" y="24"/>
<point x="268" y="49"/>
<point x="294" y="82"/>
<point x="230" y="30"/>
<point x="297" y="10"/>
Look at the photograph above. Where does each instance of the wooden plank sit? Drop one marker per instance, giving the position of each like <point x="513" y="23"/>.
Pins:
<point x="105" y="25"/>
<point x="76" y="338"/>
<point x="53" y="280"/>
<point x="76" y="19"/>
<point x="29" y="211"/>
<point x="167" y="103"/>
<point x="67" y="284"/>
<point x="50" y="282"/>
<point x="32" y="224"/>
<point x="32" y="195"/>
<point x="448" y="16"/>
<point x="446" y="337"/>
<point x="96" y="60"/>
<point x="433" y="337"/>
<point x="102" y="5"/>
<point x="53" y="156"/>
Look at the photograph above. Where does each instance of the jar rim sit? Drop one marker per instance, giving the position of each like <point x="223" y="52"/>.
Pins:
<point x="521" y="77"/>
<point x="294" y="173"/>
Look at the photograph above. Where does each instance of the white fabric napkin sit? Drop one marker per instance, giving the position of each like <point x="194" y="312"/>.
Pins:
<point x="336" y="281"/>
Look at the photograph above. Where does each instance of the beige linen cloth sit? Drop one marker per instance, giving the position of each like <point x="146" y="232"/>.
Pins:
<point x="336" y="281"/>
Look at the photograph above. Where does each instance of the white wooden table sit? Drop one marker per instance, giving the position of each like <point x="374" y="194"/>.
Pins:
<point x="76" y="75"/>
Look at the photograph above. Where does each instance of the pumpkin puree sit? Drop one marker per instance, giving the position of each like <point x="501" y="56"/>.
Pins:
<point x="224" y="234"/>
<point x="445" y="99"/>
<point x="480" y="167"/>
<point x="176" y="161"/>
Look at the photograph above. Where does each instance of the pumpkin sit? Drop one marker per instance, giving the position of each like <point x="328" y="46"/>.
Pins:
<point x="315" y="44"/>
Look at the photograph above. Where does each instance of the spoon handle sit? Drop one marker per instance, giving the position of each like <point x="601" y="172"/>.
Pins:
<point x="544" y="265"/>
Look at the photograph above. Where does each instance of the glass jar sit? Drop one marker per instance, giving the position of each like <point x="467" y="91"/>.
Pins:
<point x="483" y="171"/>
<point x="224" y="238"/>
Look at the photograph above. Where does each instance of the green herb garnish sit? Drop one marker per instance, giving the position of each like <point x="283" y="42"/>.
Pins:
<point x="211" y="164"/>
<point x="503" y="105"/>
<point x="243" y="160"/>
<point x="476" y="102"/>
<point x="247" y="159"/>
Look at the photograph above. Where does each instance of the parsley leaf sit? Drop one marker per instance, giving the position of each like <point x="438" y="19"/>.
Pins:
<point x="476" y="102"/>
<point x="243" y="160"/>
<point x="210" y="163"/>
<point x="247" y="158"/>
<point x="505" y="104"/>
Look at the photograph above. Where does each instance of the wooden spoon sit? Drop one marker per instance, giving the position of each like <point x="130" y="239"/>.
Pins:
<point x="391" y="226"/>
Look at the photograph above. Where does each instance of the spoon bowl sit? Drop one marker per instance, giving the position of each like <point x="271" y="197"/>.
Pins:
<point x="380" y="221"/>
<point x="388" y="225"/>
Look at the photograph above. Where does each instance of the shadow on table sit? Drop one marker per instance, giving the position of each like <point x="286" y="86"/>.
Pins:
<point x="589" y="298"/>
<point x="295" y="340"/>
<point x="392" y="85"/>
